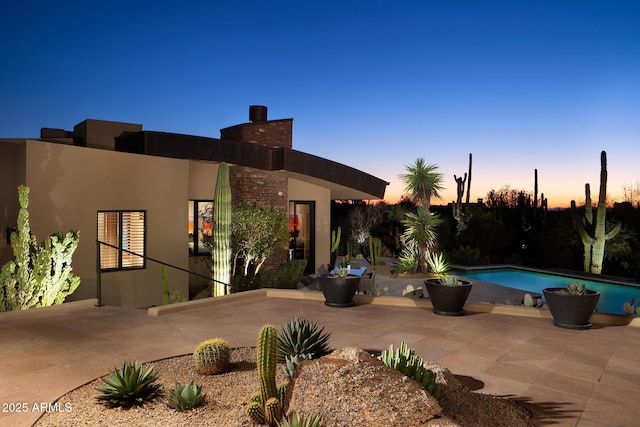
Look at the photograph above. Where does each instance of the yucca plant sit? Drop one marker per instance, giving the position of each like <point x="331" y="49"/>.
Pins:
<point x="409" y="260"/>
<point x="296" y="420"/>
<point x="134" y="384"/>
<point x="438" y="263"/>
<point x="186" y="397"/>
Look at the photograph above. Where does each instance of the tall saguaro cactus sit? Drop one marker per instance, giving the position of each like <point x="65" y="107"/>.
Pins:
<point x="221" y="251"/>
<point x="592" y="230"/>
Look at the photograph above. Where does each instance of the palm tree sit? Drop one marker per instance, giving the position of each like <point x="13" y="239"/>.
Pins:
<point x="422" y="182"/>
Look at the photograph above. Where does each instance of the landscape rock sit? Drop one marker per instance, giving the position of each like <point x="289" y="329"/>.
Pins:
<point x="352" y="388"/>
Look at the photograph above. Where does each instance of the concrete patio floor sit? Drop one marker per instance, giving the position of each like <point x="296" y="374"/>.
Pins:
<point x="565" y="377"/>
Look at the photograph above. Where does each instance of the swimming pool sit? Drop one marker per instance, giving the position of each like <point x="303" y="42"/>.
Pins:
<point x="612" y="295"/>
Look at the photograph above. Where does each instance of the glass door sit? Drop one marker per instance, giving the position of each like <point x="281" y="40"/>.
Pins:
<point x="302" y="226"/>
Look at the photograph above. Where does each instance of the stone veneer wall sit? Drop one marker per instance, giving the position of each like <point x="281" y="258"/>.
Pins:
<point x="271" y="133"/>
<point x="259" y="186"/>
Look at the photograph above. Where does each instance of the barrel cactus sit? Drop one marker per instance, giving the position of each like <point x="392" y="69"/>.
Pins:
<point x="212" y="356"/>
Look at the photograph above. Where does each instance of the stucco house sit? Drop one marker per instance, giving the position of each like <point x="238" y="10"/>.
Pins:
<point x="149" y="191"/>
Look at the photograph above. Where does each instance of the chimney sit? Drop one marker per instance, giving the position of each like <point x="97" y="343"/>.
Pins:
<point x="257" y="113"/>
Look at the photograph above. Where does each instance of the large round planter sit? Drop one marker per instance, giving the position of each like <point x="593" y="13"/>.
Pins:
<point x="448" y="300"/>
<point x="571" y="311"/>
<point x="339" y="291"/>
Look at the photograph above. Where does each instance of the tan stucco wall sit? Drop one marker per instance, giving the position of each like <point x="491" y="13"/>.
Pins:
<point x="70" y="184"/>
<point x="12" y="174"/>
<point x="299" y="190"/>
<point x="202" y="180"/>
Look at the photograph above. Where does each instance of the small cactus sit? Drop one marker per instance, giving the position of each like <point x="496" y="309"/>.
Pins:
<point x="266" y="404"/>
<point x="405" y="361"/>
<point x="212" y="356"/>
<point x="335" y="239"/>
<point x="375" y="251"/>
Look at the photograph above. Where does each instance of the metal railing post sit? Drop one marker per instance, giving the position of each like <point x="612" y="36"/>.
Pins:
<point x="98" y="275"/>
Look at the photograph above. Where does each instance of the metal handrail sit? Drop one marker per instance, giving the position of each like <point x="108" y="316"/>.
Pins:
<point x="99" y="270"/>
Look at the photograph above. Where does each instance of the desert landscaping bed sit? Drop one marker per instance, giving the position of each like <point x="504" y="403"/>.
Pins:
<point x="228" y="394"/>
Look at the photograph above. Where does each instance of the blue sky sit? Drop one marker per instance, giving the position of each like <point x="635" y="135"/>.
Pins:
<point x="375" y="85"/>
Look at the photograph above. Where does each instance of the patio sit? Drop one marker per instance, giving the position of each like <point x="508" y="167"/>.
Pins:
<point x="565" y="377"/>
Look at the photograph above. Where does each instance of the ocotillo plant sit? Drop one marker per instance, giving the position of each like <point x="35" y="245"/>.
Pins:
<point x="265" y="406"/>
<point x="221" y="251"/>
<point x="592" y="230"/>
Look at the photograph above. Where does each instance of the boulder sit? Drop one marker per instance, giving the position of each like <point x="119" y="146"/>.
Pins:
<point x="352" y="388"/>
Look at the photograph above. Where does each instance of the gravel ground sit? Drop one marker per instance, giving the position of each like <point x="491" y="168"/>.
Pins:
<point x="228" y="394"/>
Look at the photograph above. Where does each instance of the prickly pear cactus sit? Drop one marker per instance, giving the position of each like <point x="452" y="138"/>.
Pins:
<point x="212" y="356"/>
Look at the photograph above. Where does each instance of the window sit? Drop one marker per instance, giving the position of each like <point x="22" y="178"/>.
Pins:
<point x="124" y="231"/>
<point x="200" y="226"/>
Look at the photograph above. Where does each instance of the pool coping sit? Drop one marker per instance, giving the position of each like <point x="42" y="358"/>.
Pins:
<point x="393" y="301"/>
<point x="559" y="272"/>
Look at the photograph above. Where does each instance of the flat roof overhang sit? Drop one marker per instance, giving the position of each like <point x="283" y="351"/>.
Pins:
<point x="343" y="181"/>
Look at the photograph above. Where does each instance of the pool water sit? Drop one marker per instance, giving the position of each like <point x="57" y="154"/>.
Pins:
<point x="612" y="295"/>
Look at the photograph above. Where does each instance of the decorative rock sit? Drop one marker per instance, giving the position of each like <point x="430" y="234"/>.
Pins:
<point x="352" y="388"/>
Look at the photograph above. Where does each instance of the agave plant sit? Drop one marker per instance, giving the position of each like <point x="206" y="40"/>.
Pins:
<point x="302" y="338"/>
<point x="296" y="420"/>
<point x="134" y="384"/>
<point x="449" y="280"/>
<point x="576" y="288"/>
<point x="186" y="397"/>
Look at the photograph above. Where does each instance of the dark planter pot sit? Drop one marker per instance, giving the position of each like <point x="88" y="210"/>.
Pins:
<point x="448" y="300"/>
<point x="339" y="291"/>
<point x="571" y="311"/>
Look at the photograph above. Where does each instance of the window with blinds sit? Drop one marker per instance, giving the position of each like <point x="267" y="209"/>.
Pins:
<point x="123" y="235"/>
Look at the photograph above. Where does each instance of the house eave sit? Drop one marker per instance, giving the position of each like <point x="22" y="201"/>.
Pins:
<point x="343" y="181"/>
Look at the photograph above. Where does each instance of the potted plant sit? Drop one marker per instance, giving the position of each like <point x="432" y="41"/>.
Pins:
<point x="571" y="306"/>
<point x="340" y="287"/>
<point x="448" y="294"/>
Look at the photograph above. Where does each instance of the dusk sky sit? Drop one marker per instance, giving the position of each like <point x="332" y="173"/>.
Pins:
<point x="374" y="85"/>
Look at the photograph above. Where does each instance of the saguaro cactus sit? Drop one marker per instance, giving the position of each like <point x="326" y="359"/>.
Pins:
<point x="592" y="230"/>
<point x="221" y="251"/>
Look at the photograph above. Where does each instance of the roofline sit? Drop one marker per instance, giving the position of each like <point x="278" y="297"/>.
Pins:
<point x="293" y="162"/>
